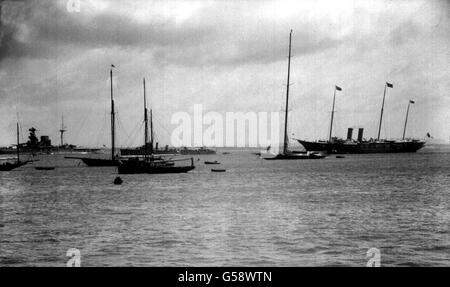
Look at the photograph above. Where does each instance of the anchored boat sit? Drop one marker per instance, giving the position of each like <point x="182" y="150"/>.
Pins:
<point x="7" y="166"/>
<point x="151" y="164"/>
<point x="340" y="146"/>
<point x="286" y="153"/>
<point x="113" y="161"/>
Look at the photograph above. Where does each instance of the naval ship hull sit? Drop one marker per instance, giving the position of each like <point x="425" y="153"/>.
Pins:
<point x="364" y="147"/>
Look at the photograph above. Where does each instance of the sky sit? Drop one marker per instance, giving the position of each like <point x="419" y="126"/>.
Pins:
<point x="229" y="56"/>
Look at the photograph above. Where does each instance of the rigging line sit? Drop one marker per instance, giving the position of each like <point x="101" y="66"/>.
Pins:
<point x="120" y="129"/>
<point x="130" y="136"/>
<point x="136" y="129"/>
<point x="101" y="134"/>
<point x="133" y="139"/>
<point x="81" y="126"/>
<point x="85" y="119"/>
<point x="160" y="123"/>
<point x="165" y="130"/>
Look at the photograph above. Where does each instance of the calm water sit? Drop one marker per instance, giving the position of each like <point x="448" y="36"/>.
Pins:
<point x="258" y="213"/>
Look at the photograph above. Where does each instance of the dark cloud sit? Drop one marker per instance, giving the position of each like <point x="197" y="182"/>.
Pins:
<point x="44" y="28"/>
<point x="49" y="26"/>
<point x="12" y="13"/>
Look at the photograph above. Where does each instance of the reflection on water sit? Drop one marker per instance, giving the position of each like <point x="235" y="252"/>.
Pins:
<point x="258" y="213"/>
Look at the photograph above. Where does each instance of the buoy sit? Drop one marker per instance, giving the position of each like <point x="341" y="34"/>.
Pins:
<point x="118" y="180"/>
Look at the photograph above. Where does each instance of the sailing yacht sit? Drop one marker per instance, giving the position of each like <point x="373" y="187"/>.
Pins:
<point x="113" y="161"/>
<point x="286" y="153"/>
<point x="150" y="163"/>
<point x="7" y="166"/>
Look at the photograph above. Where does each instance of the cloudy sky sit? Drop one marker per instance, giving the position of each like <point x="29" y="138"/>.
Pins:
<point x="228" y="56"/>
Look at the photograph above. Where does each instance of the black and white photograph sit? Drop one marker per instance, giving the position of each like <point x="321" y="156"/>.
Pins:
<point x="262" y="134"/>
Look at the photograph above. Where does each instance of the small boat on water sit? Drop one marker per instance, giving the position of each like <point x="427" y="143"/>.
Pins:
<point x="218" y="170"/>
<point x="212" y="162"/>
<point x="195" y="151"/>
<point x="44" y="167"/>
<point x="7" y="166"/>
<point x="291" y="155"/>
<point x="136" y="166"/>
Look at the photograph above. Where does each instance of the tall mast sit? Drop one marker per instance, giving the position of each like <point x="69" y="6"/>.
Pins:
<point x="146" y="123"/>
<point x="336" y="88"/>
<point x="406" y="120"/>
<point x="151" y="131"/>
<point x="285" y="144"/>
<point x="62" y="131"/>
<point x="386" y="85"/>
<point x="332" y="116"/>
<point x="18" y="144"/>
<point x="112" y="116"/>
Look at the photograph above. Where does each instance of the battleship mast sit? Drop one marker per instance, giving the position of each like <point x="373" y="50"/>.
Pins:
<point x="62" y="131"/>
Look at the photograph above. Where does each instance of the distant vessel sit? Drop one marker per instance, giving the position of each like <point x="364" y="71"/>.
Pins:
<point x="7" y="166"/>
<point x="44" y="168"/>
<point x="184" y="151"/>
<point x="196" y="151"/>
<point x="113" y="161"/>
<point x="65" y="147"/>
<point x="141" y="151"/>
<point x="44" y="145"/>
<point x="151" y="164"/>
<point x="350" y="146"/>
<point x="286" y="153"/>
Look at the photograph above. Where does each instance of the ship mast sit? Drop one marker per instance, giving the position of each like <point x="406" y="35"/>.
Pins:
<point x="336" y="88"/>
<point x="62" y="131"/>
<point x="406" y="119"/>
<point x="285" y="144"/>
<point x="112" y="116"/>
<point x="151" y="131"/>
<point x="18" y="144"/>
<point x="146" y="124"/>
<point x="387" y="85"/>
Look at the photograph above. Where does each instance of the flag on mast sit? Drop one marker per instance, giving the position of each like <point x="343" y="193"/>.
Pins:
<point x="412" y="102"/>
<point x="389" y="85"/>
<point x="338" y="88"/>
